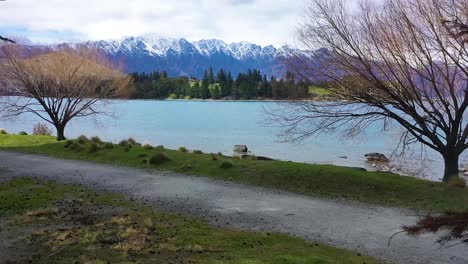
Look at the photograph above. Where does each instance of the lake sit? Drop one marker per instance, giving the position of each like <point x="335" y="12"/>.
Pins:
<point x="216" y="126"/>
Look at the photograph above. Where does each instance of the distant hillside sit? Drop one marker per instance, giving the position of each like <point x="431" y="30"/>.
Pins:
<point x="180" y="57"/>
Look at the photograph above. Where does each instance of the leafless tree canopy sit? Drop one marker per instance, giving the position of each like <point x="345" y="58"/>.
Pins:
<point x="58" y="86"/>
<point x="400" y="61"/>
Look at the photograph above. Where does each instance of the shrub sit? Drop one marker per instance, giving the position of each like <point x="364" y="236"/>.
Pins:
<point x="132" y="141"/>
<point x="213" y="156"/>
<point x="197" y="152"/>
<point x="128" y="148"/>
<point x="158" y="158"/>
<point x="22" y="133"/>
<point x="82" y="139"/>
<point x="3" y="131"/>
<point x="108" y="145"/>
<point x="187" y="167"/>
<point x="147" y="146"/>
<point x="226" y="165"/>
<point x="123" y="143"/>
<point x="41" y="129"/>
<point x="457" y="182"/>
<point x="96" y="140"/>
<point x="142" y="155"/>
<point x="160" y="147"/>
<point x="76" y="146"/>
<point x="68" y="143"/>
<point x="183" y="149"/>
<point x="93" y="147"/>
<point x="187" y="97"/>
<point x="172" y="96"/>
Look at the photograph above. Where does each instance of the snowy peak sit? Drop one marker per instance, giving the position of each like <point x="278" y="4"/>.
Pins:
<point x="157" y="46"/>
<point x="209" y="47"/>
<point x="179" y="56"/>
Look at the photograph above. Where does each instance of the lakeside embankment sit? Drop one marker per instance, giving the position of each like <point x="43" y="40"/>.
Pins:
<point x="218" y="126"/>
<point x="325" y="181"/>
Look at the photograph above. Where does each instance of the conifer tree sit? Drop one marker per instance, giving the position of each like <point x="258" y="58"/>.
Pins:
<point x="222" y="80"/>
<point x="196" y="90"/>
<point x="205" y="87"/>
<point x="211" y="75"/>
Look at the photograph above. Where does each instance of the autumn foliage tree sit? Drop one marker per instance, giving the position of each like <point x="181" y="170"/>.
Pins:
<point x="58" y="86"/>
<point x="391" y="62"/>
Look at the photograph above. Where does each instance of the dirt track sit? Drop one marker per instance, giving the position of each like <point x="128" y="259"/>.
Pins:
<point x="365" y="229"/>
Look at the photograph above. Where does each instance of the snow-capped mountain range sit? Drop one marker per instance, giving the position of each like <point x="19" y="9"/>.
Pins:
<point x="181" y="57"/>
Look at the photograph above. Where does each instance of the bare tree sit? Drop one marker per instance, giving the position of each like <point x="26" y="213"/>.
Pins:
<point x="454" y="224"/>
<point x="7" y="39"/>
<point x="401" y="62"/>
<point x="58" y="86"/>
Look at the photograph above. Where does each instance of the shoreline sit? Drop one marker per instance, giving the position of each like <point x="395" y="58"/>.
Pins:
<point x="217" y="100"/>
<point x="320" y="181"/>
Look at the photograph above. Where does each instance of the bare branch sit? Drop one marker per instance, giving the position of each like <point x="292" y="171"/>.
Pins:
<point x="399" y="60"/>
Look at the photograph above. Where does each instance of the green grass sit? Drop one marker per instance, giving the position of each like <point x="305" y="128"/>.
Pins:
<point x="320" y="91"/>
<point x="192" y="83"/>
<point x="325" y="181"/>
<point x="46" y="222"/>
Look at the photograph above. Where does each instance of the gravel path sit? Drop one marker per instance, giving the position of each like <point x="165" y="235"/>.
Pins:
<point x="365" y="229"/>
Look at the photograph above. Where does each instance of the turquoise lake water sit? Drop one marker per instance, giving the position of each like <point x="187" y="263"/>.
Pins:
<point x="216" y="126"/>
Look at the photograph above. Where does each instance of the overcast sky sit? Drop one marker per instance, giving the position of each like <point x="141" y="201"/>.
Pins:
<point x="258" y="21"/>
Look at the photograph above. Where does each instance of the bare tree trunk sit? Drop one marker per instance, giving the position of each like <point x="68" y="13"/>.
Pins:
<point x="60" y="132"/>
<point x="450" y="165"/>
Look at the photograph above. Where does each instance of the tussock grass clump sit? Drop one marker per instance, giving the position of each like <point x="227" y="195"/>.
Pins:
<point x="197" y="152"/>
<point x="183" y="149"/>
<point x="128" y="148"/>
<point x="213" y="157"/>
<point x="68" y="143"/>
<point x="93" y="147"/>
<point x="226" y="165"/>
<point x="148" y="146"/>
<point x="76" y="146"/>
<point x="108" y="145"/>
<point x="158" y="158"/>
<point x="23" y="133"/>
<point x="457" y="182"/>
<point x="96" y="140"/>
<point x="82" y="139"/>
<point x="187" y="167"/>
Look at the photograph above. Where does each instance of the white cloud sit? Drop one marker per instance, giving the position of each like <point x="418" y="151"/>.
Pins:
<point x="260" y="21"/>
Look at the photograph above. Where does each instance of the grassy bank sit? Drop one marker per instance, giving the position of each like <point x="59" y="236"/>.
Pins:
<point x="46" y="222"/>
<point x="326" y="181"/>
